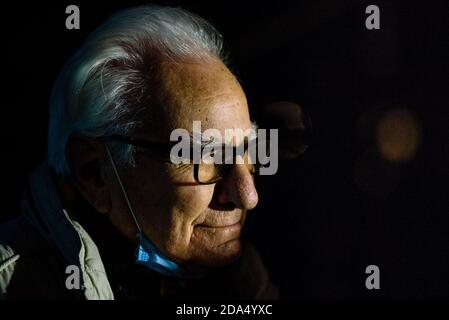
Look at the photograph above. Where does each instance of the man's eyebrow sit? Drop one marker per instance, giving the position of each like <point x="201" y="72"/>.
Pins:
<point x="204" y="141"/>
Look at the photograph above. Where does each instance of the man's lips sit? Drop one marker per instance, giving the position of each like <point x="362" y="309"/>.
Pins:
<point x="222" y="220"/>
<point x="220" y="226"/>
<point x="213" y="236"/>
<point x="219" y="234"/>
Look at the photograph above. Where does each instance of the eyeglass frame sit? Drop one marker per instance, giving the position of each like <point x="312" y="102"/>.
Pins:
<point x="165" y="148"/>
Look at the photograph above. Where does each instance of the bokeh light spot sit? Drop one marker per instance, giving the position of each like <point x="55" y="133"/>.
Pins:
<point x="398" y="135"/>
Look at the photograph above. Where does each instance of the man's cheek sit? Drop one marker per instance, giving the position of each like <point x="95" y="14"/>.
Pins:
<point x="186" y="215"/>
<point x="194" y="200"/>
<point x="177" y="235"/>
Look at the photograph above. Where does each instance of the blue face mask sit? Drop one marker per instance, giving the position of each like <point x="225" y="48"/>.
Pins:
<point x="147" y="253"/>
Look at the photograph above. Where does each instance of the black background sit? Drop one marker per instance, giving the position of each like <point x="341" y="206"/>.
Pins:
<point x="322" y="219"/>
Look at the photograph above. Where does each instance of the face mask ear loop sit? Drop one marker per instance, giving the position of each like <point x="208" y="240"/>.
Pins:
<point x="121" y="187"/>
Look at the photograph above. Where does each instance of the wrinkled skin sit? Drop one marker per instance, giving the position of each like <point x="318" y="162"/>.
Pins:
<point x="198" y="226"/>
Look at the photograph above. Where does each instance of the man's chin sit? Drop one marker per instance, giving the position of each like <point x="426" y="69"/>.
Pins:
<point x="229" y="251"/>
<point x="220" y="256"/>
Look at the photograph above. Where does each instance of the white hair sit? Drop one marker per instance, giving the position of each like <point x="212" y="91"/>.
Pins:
<point x="106" y="83"/>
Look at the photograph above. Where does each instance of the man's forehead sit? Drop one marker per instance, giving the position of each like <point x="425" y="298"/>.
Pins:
<point x="199" y="74"/>
<point x="194" y="89"/>
<point x="206" y="92"/>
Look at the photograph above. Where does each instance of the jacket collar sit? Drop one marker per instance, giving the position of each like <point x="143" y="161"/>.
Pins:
<point x="42" y="207"/>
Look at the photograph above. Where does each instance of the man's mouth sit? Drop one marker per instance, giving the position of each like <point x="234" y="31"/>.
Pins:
<point x="223" y="227"/>
<point x="220" y="230"/>
<point x="219" y="235"/>
<point x="222" y="220"/>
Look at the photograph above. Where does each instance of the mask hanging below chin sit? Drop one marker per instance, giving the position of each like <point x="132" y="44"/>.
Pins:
<point x="147" y="253"/>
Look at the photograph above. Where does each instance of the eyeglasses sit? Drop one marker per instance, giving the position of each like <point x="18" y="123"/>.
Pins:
<point x="203" y="172"/>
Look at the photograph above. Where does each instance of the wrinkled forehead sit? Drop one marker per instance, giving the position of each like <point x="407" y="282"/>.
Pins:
<point x="205" y="93"/>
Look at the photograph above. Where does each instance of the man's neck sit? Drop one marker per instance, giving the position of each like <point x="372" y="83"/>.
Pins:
<point x="128" y="280"/>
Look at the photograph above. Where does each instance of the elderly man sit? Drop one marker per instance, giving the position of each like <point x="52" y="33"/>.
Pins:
<point x="108" y="215"/>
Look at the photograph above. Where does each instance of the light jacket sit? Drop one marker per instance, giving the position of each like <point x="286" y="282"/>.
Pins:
<point x="37" y="247"/>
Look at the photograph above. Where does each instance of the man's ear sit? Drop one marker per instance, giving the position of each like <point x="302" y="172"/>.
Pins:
<point x="86" y="158"/>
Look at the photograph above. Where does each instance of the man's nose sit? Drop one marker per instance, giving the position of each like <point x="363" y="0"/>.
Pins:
<point x="238" y="188"/>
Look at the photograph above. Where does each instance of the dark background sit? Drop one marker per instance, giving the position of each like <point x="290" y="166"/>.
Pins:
<point x="325" y="217"/>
